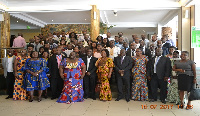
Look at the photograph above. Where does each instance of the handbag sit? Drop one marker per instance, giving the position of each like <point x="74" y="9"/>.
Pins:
<point x="194" y="94"/>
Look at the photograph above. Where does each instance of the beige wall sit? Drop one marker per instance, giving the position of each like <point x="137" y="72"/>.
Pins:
<point x="27" y="33"/>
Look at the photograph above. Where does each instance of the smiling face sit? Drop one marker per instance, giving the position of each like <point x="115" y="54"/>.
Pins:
<point x="138" y="52"/>
<point x="23" y="52"/>
<point x="103" y="54"/>
<point x="184" y="55"/>
<point x="35" y="54"/>
<point x="45" y="55"/>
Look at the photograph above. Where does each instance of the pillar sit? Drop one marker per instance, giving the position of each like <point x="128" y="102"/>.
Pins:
<point x="5" y="32"/>
<point x="5" y="35"/>
<point x="184" y="30"/>
<point x="95" y="23"/>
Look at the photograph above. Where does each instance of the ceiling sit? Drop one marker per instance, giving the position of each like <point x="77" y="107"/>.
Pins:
<point x="130" y="13"/>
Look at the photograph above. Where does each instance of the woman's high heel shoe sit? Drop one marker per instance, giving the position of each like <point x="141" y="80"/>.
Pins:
<point x="30" y="100"/>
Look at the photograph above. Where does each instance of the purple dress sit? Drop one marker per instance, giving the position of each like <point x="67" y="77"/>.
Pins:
<point x="73" y="86"/>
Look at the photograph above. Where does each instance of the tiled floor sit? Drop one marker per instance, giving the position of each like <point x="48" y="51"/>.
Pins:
<point x="91" y="107"/>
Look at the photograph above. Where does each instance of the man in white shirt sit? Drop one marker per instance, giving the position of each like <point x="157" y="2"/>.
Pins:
<point x="8" y="63"/>
<point x="153" y="40"/>
<point x="114" y="51"/>
<point x="146" y="41"/>
<point x="137" y="41"/>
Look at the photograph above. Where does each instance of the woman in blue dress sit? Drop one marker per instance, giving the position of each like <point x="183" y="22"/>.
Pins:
<point x="72" y="70"/>
<point x="35" y="78"/>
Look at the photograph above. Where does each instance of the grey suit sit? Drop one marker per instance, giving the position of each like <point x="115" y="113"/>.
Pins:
<point x="5" y="64"/>
<point x="10" y="79"/>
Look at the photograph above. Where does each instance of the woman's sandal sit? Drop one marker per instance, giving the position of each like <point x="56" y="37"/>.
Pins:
<point x="188" y="107"/>
<point x="181" y="106"/>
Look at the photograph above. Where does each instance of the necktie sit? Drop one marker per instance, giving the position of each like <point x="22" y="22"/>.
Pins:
<point x="156" y="63"/>
<point x="36" y="47"/>
<point x="132" y="52"/>
<point x="122" y="60"/>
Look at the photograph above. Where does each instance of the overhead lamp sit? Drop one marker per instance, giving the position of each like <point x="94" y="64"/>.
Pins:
<point x="186" y="14"/>
<point x="115" y="12"/>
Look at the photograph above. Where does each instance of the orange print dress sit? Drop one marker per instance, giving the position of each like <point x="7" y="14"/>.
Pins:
<point x="102" y="73"/>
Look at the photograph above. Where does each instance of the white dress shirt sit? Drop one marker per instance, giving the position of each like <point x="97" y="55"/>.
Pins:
<point x="155" y="63"/>
<point x="113" y="51"/>
<point x="10" y="64"/>
<point x="88" y="62"/>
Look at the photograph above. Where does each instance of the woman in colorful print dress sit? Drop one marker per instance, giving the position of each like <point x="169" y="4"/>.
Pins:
<point x="139" y="87"/>
<point x="36" y="78"/>
<point x="104" y="70"/>
<point x="19" y="93"/>
<point x="72" y="70"/>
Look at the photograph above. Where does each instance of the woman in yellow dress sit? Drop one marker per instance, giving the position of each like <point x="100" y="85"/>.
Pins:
<point x="19" y="93"/>
<point x="104" y="70"/>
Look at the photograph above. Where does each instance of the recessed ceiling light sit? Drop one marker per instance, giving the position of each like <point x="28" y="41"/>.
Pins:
<point x="17" y="21"/>
<point x="85" y="19"/>
<point x="52" y="20"/>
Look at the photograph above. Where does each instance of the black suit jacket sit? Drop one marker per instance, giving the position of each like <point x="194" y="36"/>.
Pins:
<point x="92" y="68"/>
<point x="167" y="45"/>
<point x="163" y="67"/>
<point x="147" y="52"/>
<point x="128" y="52"/>
<point x="53" y="67"/>
<point x="126" y="65"/>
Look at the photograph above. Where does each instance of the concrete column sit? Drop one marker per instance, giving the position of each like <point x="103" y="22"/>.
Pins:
<point x="184" y="30"/>
<point x="95" y="23"/>
<point x="5" y="32"/>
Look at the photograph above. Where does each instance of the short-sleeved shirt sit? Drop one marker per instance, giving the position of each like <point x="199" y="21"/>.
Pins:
<point x="187" y="66"/>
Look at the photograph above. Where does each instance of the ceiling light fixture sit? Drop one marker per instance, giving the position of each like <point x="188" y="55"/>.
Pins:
<point x="17" y="21"/>
<point x="85" y="19"/>
<point x="115" y="12"/>
<point x="52" y="20"/>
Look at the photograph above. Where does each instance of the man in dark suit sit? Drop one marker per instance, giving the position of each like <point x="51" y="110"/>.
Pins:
<point x="165" y="50"/>
<point x="131" y="50"/>
<point x="56" y="80"/>
<point x="164" y="43"/>
<point x="158" y="72"/>
<point x="145" y="51"/>
<point x="123" y="66"/>
<point x="90" y="77"/>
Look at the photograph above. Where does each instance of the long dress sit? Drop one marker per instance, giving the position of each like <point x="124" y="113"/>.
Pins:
<point x="40" y="82"/>
<point x="139" y="85"/>
<point x="19" y="93"/>
<point x="73" y="85"/>
<point x="102" y="73"/>
<point x="173" y="94"/>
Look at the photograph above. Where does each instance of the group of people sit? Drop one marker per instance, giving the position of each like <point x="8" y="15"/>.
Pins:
<point x="76" y="68"/>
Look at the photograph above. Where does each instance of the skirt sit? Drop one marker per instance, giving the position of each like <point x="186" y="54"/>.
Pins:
<point x="185" y="82"/>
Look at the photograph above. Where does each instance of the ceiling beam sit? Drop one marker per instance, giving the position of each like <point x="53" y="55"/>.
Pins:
<point x="30" y="19"/>
<point x="170" y="15"/>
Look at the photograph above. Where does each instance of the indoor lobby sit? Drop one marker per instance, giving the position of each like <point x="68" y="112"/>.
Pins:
<point x="178" y="19"/>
